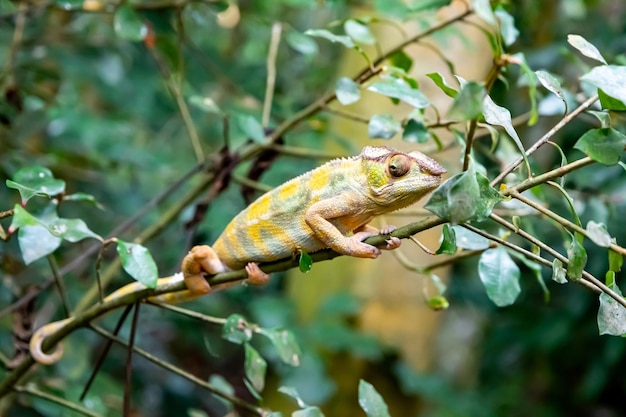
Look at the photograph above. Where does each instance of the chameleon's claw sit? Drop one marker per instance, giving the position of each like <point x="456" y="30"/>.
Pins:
<point x="385" y="230"/>
<point x="393" y="243"/>
<point x="255" y="275"/>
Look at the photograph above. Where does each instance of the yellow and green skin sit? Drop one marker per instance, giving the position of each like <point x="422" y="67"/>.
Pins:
<point x="328" y="207"/>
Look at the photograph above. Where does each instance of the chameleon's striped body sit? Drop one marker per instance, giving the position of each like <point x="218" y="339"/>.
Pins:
<point x="316" y="210"/>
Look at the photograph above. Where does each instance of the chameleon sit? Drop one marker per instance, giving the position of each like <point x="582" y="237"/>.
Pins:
<point x="328" y="207"/>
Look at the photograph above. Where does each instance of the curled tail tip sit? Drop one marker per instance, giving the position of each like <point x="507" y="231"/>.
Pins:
<point x="36" y="344"/>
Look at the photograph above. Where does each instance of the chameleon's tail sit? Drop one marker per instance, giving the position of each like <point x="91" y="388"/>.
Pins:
<point x="36" y="343"/>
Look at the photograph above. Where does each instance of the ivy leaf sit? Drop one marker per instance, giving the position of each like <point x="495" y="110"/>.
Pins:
<point x="448" y="244"/>
<point x="323" y="33"/>
<point x="400" y="89"/>
<point x="550" y="82"/>
<point x="441" y="83"/>
<point x="466" y="239"/>
<point x="604" y="145"/>
<point x="615" y="261"/>
<point x="347" y="91"/>
<point x="302" y="43"/>
<point x="305" y="262"/>
<point x="371" y="401"/>
<point x="598" y="234"/>
<point x="611" y="314"/>
<point x="609" y="78"/>
<point x="33" y="237"/>
<point x="586" y="48"/>
<point x="401" y="60"/>
<point x="464" y="197"/>
<point x="128" y="25"/>
<point x="236" y="329"/>
<point x="36" y="180"/>
<point x="577" y="259"/>
<point x="83" y="197"/>
<point x="285" y="344"/>
<point x="255" y="367"/>
<point x="500" y="276"/>
<point x="415" y="132"/>
<point x="468" y="104"/>
<point x="383" y="126"/>
<point x="138" y="262"/>
<point x="359" y="32"/>
<point x="558" y="272"/>
<point x="72" y="230"/>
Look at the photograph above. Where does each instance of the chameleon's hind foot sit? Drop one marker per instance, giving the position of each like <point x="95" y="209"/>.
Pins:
<point x="255" y="275"/>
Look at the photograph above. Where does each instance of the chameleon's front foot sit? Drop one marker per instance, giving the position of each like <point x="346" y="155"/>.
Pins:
<point x="255" y="275"/>
<point x="200" y="260"/>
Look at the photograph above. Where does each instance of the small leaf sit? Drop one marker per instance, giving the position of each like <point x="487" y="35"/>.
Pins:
<point x="236" y="329"/>
<point x="415" y="132"/>
<point x="468" y="104"/>
<point x="138" y="262"/>
<point x="293" y="393"/>
<point x="250" y="127"/>
<point x="585" y="48"/>
<point x="302" y="43"/>
<point x="36" y="180"/>
<point x="401" y="60"/>
<point x="285" y="344"/>
<point x="128" y="25"/>
<point x="558" y="272"/>
<point x="305" y="262"/>
<point x="36" y="242"/>
<point x="483" y="9"/>
<point x="206" y="104"/>
<point x="507" y="27"/>
<point x="347" y="91"/>
<point x="222" y="385"/>
<point x="550" y="82"/>
<point x="500" y="276"/>
<point x="464" y="197"/>
<point x="598" y="234"/>
<point x="308" y="412"/>
<point x="611" y="314"/>
<point x="255" y="367"/>
<point x="448" y="244"/>
<point x="466" y="239"/>
<point x="22" y="218"/>
<point x="602" y="145"/>
<point x="323" y="33"/>
<point x="531" y="78"/>
<point x="400" y="89"/>
<point x="72" y="230"/>
<point x="438" y="303"/>
<point x="83" y="197"/>
<point x="359" y="32"/>
<point x="441" y="83"/>
<point x="577" y="259"/>
<point x="610" y="78"/>
<point x="615" y="261"/>
<point x="609" y="103"/>
<point x="371" y="401"/>
<point x="383" y="126"/>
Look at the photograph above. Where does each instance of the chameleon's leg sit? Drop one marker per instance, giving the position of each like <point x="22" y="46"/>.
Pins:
<point x="392" y="242"/>
<point x="36" y="342"/>
<point x="255" y="275"/>
<point x="316" y="218"/>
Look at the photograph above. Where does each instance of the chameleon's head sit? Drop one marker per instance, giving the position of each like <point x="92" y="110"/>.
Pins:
<point x="397" y="179"/>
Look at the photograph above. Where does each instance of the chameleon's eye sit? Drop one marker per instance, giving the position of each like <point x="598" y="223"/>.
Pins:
<point x="399" y="165"/>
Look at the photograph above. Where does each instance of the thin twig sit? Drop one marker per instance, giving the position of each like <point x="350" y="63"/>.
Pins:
<point x="29" y="389"/>
<point x="58" y="279"/>
<point x="271" y="73"/>
<point x="129" y="361"/>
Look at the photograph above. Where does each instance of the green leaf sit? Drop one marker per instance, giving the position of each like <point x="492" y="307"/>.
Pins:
<point x="285" y="344"/>
<point x="383" y="126"/>
<point x="128" y="25"/>
<point x="293" y="393"/>
<point x="468" y="104"/>
<point x="611" y="314"/>
<point x="484" y="11"/>
<point x="585" y="48"/>
<point x="359" y="32"/>
<point x="603" y="145"/>
<point x="448" y="243"/>
<point x="305" y="262"/>
<point x="323" y="33"/>
<point x="415" y="132"/>
<point x="615" y="261"/>
<point x="500" y="276"/>
<point x="550" y="82"/>
<point x="347" y="91"/>
<point x="466" y="239"/>
<point x="558" y="272"/>
<point x="236" y="329"/>
<point x="371" y="401"/>
<point x="302" y="43"/>
<point x="609" y="103"/>
<point x="507" y="27"/>
<point x="138" y="262"/>
<point x="250" y="127"/>
<point x="438" y="303"/>
<point x="35" y="242"/>
<point x="308" y="412"/>
<point x="424" y="5"/>
<point x="72" y="230"/>
<point x="69" y="4"/>
<point x="83" y="197"/>
<point x="22" y="218"/>
<point x="610" y="78"/>
<point x="598" y="234"/>
<point x="222" y="385"/>
<point x="401" y="60"/>
<point x="527" y="72"/>
<point x="36" y="180"/>
<point x="206" y="104"/>
<point x="255" y="367"/>
<point x="400" y="89"/>
<point x="464" y="197"/>
<point x="577" y="259"/>
<point x="441" y="83"/>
